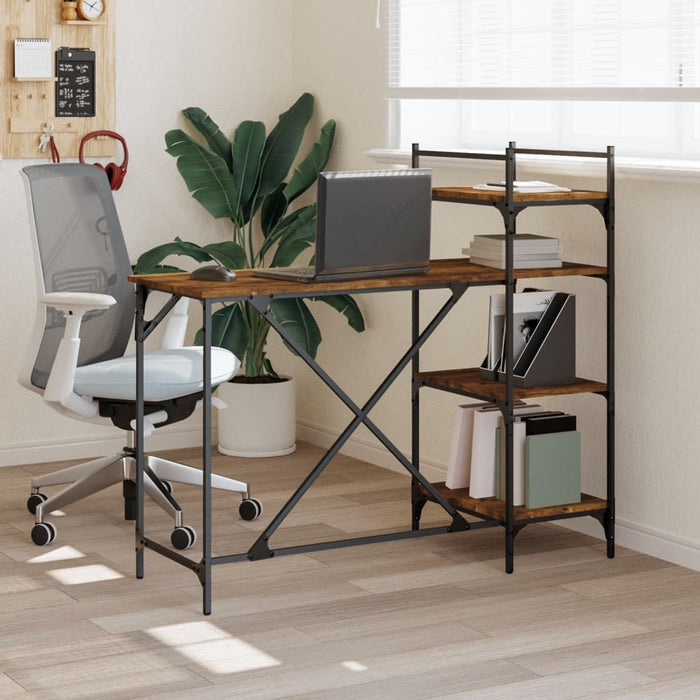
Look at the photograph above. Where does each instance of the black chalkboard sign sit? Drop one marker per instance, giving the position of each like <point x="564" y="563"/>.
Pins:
<point x="75" y="86"/>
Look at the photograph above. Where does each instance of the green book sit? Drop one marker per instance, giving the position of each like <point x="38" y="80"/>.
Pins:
<point x="552" y="469"/>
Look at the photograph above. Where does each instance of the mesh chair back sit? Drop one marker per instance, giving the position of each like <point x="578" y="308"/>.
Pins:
<point x="80" y="248"/>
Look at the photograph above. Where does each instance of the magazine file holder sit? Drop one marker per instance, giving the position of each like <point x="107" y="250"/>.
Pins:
<point x="549" y="358"/>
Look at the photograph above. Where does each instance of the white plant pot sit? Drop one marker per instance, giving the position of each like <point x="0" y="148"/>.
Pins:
<point x="259" y="420"/>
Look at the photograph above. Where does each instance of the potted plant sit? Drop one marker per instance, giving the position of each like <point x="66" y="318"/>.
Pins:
<point x="246" y="180"/>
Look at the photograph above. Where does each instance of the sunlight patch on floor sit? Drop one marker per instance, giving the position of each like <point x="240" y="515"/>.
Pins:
<point x="58" y="554"/>
<point x="354" y="666"/>
<point x="84" y="574"/>
<point x="212" y="648"/>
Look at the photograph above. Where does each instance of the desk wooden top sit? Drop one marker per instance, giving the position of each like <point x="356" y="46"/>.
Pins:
<point x="442" y="273"/>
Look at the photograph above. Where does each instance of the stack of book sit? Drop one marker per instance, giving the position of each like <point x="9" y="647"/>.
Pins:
<point x="529" y="251"/>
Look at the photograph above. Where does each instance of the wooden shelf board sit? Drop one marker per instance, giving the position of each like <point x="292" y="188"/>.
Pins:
<point x="469" y="382"/>
<point x="476" y="196"/>
<point x="495" y="508"/>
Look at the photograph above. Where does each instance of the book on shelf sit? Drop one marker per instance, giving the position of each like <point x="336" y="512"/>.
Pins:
<point x="523" y="186"/>
<point x="523" y="242"/>
<point x="482" y="480"/>
<point x="460" y="458"/>
<point x="517" y="264"/>
<point x="524" y="426"/>
<point x="552" y="469"/>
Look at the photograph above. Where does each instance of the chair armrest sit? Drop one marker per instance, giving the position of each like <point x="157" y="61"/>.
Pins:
<point x="59" y="386"/>
<point x="72" y="302"/>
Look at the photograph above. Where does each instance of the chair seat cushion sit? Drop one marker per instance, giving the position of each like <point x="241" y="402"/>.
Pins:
<point x="167" y="373"/>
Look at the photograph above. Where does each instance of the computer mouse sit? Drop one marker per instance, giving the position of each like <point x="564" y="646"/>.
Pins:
<point x="213" y="273"/>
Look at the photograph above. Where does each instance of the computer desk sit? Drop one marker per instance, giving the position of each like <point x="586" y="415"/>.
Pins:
<point x="453" y="275"/>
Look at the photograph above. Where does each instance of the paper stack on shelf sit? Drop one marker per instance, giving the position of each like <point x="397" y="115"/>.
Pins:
<point x="529" y="251"/>
<point x="524" y="186"/>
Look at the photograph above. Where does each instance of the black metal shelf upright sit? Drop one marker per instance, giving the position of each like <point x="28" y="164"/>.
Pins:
<point x="510" y="204"/>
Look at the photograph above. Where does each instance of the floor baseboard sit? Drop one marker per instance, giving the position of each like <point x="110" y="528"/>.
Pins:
<point x="71" y="449"/>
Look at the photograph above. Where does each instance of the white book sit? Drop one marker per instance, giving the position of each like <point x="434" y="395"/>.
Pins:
<point x="482" y="252"/>
<point x="524" y="242"/>
<point x="517" y="265"/>
<point x="482" y="482"/>
<point x="496" y="329"/>
<point x="459" y="462"/>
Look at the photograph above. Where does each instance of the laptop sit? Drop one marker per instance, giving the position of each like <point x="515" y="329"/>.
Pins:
<point x="370" y="223"/>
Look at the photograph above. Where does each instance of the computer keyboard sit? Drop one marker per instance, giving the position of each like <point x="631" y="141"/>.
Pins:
<point x="302" y="273"/>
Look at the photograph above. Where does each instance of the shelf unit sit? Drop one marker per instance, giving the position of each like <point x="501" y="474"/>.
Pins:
<point x="468" y="381"/>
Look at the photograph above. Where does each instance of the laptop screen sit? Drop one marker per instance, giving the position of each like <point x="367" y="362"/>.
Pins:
<point x="373" y="220"/>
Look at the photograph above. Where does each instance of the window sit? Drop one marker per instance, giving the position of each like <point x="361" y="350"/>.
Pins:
<point x="546" y="73"/>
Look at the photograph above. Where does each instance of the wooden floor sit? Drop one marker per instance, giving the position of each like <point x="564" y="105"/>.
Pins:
<point x="434" y="617"/>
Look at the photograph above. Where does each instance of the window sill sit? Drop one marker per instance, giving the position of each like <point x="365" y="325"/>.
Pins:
<point x="649" y="169"/>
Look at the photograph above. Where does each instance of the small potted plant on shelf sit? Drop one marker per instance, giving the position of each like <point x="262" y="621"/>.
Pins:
<point x="246" y="180"/>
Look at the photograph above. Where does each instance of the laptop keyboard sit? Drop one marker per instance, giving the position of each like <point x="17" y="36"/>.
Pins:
<point x="301" y="272"/>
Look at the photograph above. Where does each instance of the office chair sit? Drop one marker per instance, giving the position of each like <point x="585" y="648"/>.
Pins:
<point x="83" y="326"/>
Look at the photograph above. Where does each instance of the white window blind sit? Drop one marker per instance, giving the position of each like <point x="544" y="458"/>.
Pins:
<point x="489" y="68"/>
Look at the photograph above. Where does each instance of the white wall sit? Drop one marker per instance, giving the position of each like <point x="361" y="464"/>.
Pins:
<point x="233" y="60"/>
<point x="254" y="64"/>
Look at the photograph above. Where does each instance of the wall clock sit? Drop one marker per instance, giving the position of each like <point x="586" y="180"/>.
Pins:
<point x="90" y="9"/>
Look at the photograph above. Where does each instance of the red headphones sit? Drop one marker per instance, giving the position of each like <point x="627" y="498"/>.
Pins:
<point x="115" y="173"/>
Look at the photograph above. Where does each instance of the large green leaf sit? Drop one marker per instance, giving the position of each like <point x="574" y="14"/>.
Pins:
<point x="287" y="227"/>
<point x="155" y="270"/>
<point x="204" y="172"/>
<point x="298" y="322"/>
<point x="346" y="305"/>
<point x="149" y="261"/>
<point x="213" y="135"/>
<point x="228" y="254"/>
<point x="228" y="330"/>
<point x="296" y="240"/>
<point x="273" y="208"/>
<point x="282" y="145"/>
<point x="248" y="144"/>
<point x="307" y="171"/>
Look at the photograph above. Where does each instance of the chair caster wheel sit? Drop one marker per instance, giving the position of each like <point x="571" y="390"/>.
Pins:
<point x="183" y="537"/>
<point x="34" y="500"/>
<point x="250" y="509"/>
<point x="43" y="534"/>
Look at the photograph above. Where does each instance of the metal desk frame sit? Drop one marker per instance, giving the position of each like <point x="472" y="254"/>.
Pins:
<point x="260" y="302"/>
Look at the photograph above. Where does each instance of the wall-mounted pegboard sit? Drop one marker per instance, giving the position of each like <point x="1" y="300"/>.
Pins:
<point x="28" y="107"/>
